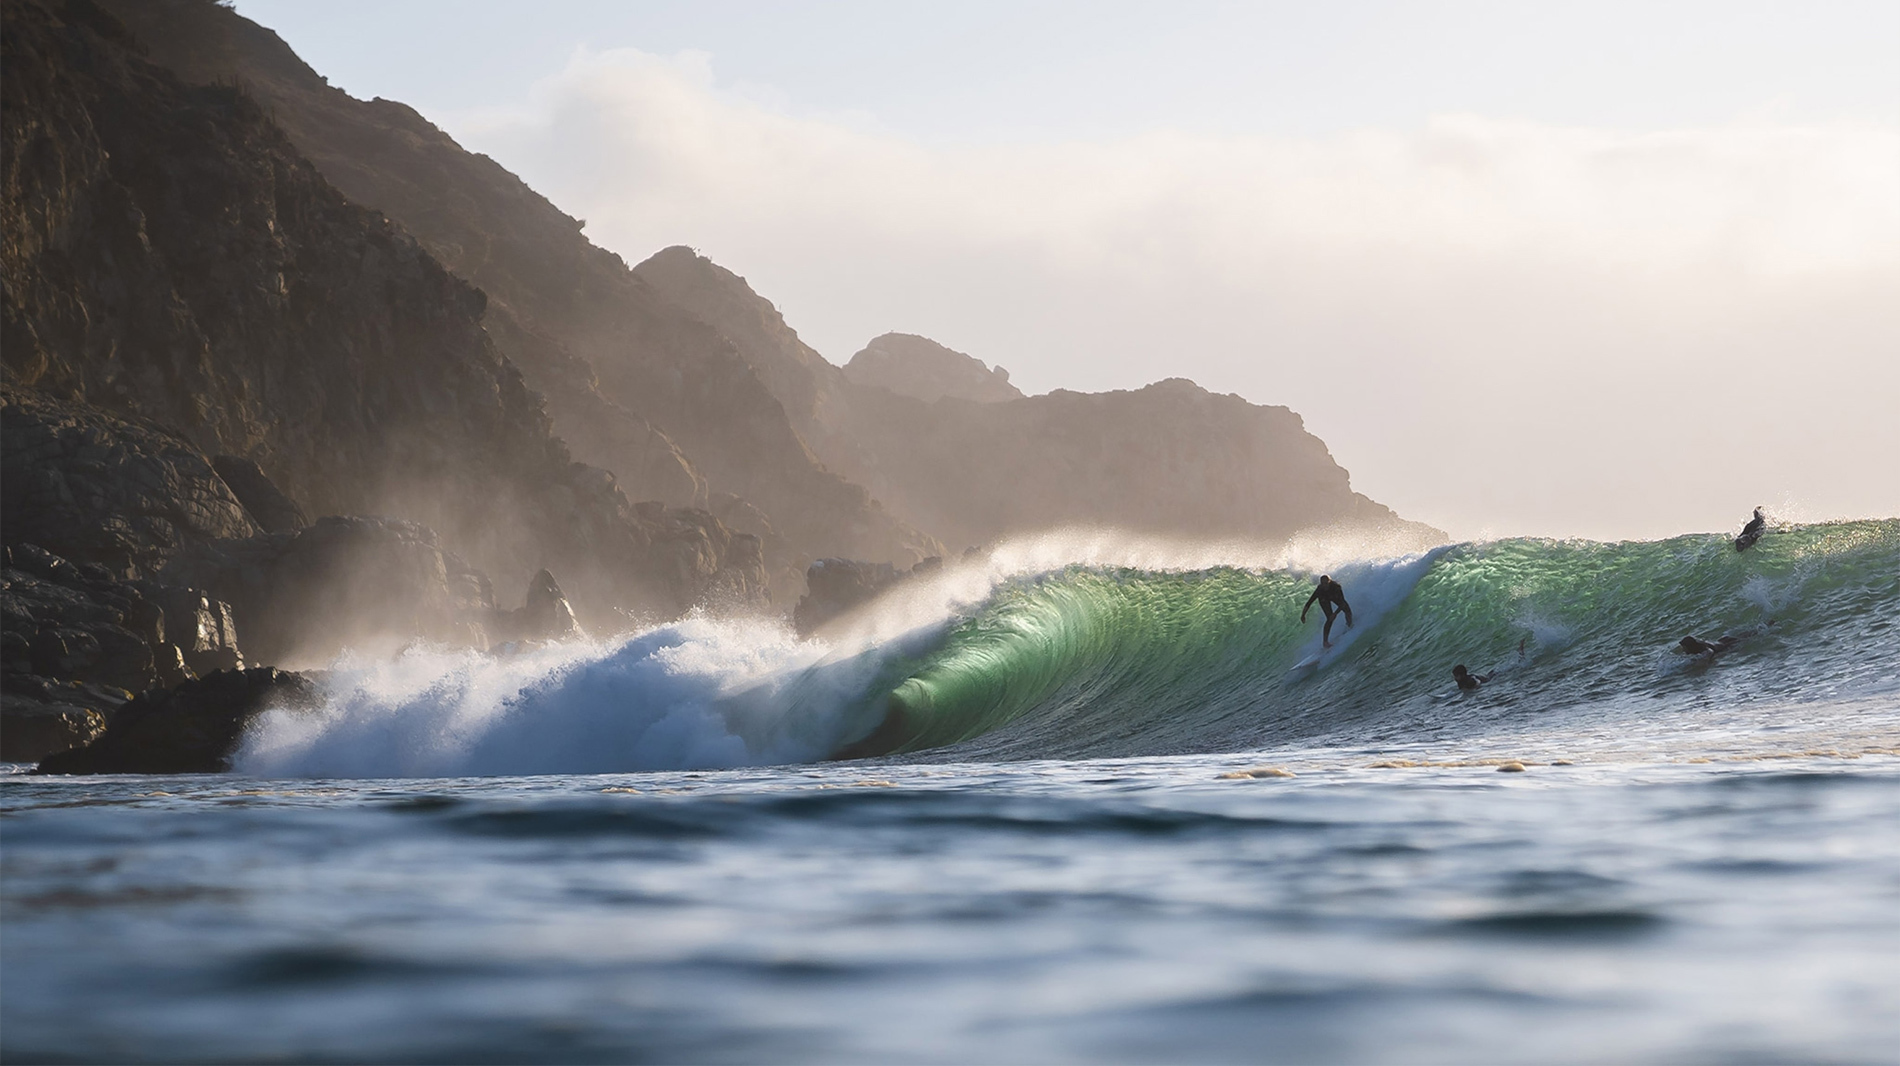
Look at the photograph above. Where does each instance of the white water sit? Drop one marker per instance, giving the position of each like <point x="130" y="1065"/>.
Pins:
<point x="689" y="695"/>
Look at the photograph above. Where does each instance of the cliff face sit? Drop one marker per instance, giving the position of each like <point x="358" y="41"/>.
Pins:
<point x="638" y="384"/>
<point x="169" y="256"/>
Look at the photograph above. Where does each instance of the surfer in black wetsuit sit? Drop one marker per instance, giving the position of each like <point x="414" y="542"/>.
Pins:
<point x="1467" y="680"/>
<point x="1332" y="600"/>
<point x="1692" y="645"/>
<point x="1752" y="531"/>
<point x="1696" y="646"/>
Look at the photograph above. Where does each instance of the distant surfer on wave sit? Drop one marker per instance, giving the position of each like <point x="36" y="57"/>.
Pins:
<point x="1752" y="531"/>
<point x="1469" y="681"/>
<point x="1332" y="600"/>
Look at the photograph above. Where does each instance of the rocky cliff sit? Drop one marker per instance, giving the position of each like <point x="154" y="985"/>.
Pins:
<point x="636" y="383"/>
<point x="171" y="259"/>
<point x="948" y="444"/>
<point x="1171" y="459"/>
<point x="922" y="369"/>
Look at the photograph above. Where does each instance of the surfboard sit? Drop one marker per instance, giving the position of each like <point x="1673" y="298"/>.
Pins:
<point x="1307" y="665"/>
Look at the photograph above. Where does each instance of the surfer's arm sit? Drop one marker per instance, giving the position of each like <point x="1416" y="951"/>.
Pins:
<point x="1309" y="605"/>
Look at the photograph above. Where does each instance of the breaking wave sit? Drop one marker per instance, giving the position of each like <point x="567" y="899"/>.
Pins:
<point x="1143" y="650"/>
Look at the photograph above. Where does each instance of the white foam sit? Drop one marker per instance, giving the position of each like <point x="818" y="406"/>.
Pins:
<point x="693" y="694"/>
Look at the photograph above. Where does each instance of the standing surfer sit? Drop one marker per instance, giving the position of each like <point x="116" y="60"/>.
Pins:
<point x="1332" y="600"/>
<point x="1752" y="531"/>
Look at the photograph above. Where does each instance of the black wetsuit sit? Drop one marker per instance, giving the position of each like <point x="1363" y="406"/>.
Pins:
<point x="1752" y="531"/>
<point x="1331" y="599"/>
<point x="1691" y="645"/>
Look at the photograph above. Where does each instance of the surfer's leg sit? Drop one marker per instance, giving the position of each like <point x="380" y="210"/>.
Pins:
<point x="1326" y="635"/>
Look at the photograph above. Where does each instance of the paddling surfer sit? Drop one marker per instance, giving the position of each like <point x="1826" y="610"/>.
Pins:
<point x="1692" y="645"/>
<point x="1332" y="600"/>
<point x="1752" y="531"/>
<point x="1468" y="681"/>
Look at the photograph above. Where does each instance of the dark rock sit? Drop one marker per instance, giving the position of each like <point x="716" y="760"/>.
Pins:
<point x="836" y="587"/>
<point x="267" y="505"/>
<point x="40" y="716"/>
<point x="547" y="612"/>
<point x="69" y="624"/>
<point x="546" y="616"/>
<point x="75" y="643"/>
<point x="92" y="487"/>
<point x="201" y="631"/>
<point x="192" y="729"/>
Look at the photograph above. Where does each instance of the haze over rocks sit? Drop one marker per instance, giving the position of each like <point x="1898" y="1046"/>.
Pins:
<point x="288" y="372"/>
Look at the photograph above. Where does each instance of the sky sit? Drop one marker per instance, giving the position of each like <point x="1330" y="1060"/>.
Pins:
<point x="1608" y="270"/>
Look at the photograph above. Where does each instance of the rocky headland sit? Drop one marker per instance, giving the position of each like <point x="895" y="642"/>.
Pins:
<point x="286" y="373"/>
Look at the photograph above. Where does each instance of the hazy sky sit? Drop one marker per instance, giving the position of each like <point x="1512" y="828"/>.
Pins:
<point x="1607" y="270"/>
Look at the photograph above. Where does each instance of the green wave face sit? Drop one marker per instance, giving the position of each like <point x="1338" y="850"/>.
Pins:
<point x="1101" y="662"/>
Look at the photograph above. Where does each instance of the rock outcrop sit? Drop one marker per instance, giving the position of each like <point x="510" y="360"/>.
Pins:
<point x="77" y="640"/>
<point x="171" y="258"/>
<point x="269" y="508"/>
<point x="836" y="587"/>
<point x="922" y="369"/>
<point x="121" y="493"/>
<point x="546" y="616"/>
<point x="192" y="729"/>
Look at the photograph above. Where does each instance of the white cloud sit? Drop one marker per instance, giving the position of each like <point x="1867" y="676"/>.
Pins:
<point x="1496" y="325"/>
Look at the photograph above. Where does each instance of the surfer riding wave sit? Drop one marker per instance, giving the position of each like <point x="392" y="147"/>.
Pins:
<point x="1332" y="600"/>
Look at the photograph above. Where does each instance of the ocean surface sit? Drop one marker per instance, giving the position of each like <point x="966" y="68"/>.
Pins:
<point x="1107" y="816"/>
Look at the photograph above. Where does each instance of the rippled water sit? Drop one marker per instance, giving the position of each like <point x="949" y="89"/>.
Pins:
<point x="1652" y="908"/>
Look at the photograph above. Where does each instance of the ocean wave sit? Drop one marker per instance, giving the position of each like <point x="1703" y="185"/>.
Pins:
<point x="1028" y="655"/>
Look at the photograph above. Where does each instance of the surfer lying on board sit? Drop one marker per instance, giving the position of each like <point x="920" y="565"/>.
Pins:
<point x="1469" y="681"/>
<point x="1752" y="531"/>
<point x="1696" y="646"/>
<point x="1332" y="600"/>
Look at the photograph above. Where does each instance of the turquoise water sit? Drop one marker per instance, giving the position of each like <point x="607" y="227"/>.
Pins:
<point x="634" y="851"/>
